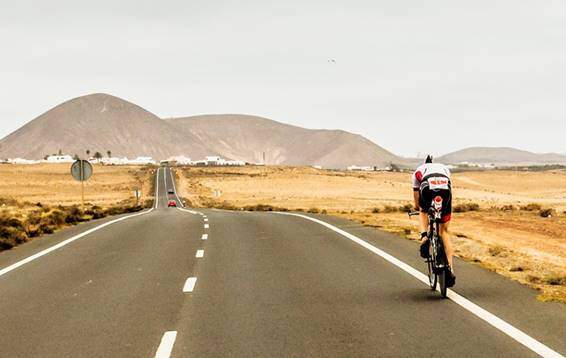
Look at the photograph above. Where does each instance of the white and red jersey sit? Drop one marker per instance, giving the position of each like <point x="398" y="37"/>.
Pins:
<point x="429" y="171"/>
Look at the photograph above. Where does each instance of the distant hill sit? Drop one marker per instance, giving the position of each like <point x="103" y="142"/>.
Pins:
<point x="245" y="137"/>
<point x="101" y="122"/>
<point x="501" y="156"/>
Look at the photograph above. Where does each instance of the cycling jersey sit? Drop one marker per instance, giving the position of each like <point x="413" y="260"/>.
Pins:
<point x="432" y="180"/>
<point x="428" y="171"/>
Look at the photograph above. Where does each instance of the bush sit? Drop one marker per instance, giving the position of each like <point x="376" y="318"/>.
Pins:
<point x="466" y="207"/>
<point x="259" y="207"/>
<point x="374" y="210"/>
<point x="313" y="211"/>
<point x="390" y="209"/>
<point x="531" y="207"/>
<point x="546" y="213"/>
<point x="555" y="280"/>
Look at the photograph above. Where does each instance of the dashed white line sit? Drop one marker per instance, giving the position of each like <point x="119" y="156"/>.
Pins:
<point x="204" y="237"/>
<point x="205" y="219"/>
<point x="190" y="285"/>
<point x="488" y="317"/>
<point x="199" y="254"/>
<point x="206" y="226"/>
<point x="166" y="345"/>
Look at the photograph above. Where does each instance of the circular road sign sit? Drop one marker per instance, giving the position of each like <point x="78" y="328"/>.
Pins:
<point x="81" y="170"/>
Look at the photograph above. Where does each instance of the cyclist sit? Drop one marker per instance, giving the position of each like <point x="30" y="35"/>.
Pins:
<point x="429" y="181"/>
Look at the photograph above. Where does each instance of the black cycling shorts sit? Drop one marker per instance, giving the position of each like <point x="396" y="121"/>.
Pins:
<point x="427" y="196"/>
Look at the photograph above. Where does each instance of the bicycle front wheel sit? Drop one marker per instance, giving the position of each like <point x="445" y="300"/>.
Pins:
<point x="432" y="277"/>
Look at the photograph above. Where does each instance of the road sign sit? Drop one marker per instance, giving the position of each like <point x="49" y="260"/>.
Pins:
<point x="81" y="170"/>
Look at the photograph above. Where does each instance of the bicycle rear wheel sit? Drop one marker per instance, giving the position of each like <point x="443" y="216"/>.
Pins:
<point x="442" y="283"/>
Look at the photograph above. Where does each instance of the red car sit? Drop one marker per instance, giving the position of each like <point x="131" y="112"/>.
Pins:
<point x="172" y="203"/>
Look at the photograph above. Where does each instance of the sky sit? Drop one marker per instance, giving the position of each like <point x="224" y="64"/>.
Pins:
<point x="413" y="76"/>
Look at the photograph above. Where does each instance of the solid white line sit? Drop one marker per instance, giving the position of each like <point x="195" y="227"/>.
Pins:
<point x="157" y="188"/>
<point x="206" y="226"/>
<point x="199" y="254"/>
<point x="166" y="345"/>
<point x="66" y="242"/>
<point x="190" y="285"/>
<point x="204" y="237"/>
<point x="175" y="188"/>
<point x="488" y="317"/>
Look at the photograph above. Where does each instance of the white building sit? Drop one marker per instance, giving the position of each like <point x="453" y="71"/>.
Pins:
<point x="59" y="159"/>
<point x="22" y="161"/>
<point x="358" y="168"/>
<point x="181" y="160"/>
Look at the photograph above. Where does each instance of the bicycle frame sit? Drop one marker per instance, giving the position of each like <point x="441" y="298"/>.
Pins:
<point x="437" y="262"/>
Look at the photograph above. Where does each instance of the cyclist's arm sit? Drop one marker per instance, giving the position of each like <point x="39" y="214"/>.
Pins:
<point x="417" y="197"/>
<point x="416" y="191"/>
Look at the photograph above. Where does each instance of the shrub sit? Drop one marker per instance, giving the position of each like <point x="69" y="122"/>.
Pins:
<point x="531" y="207"/>
<point x="495" y="251"/>
<point x="555" y="280"/>
<point x="390" y="209"/>
<point x="546" y="213"/>
<point x="313" y="211"/>
<point x="374" y="210"/>
<point x="465" y="207"/>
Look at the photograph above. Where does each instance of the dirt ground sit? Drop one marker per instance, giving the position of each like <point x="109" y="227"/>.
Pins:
<point x="52" y="184"/>
<point x="507" y="234"/>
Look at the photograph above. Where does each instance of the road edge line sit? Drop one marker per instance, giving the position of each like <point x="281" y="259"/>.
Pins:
<point x="37" y="255"/>
<point x="496" y="322"/>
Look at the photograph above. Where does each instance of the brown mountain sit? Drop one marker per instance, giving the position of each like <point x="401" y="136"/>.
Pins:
<point x="101" y="122"/>
<point x="501" y="156"/>
<point x="97" y="122"/>
<point x="247" y="138"/>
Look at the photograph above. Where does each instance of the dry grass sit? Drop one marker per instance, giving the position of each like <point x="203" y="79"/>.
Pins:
<point x="52" y="184"/>
<point x="509" y="222"/>
<point x="41" y="199"/>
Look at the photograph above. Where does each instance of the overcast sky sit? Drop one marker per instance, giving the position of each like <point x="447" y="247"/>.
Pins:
<point x="413" y="76"/>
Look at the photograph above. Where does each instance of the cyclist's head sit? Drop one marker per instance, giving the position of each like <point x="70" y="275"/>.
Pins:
<point x="428" y="159"/>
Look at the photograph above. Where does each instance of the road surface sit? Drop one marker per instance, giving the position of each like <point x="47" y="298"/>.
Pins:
<point x="208" y="283"/>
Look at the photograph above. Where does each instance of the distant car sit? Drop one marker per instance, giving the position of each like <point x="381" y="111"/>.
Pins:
<point x="170" y="191"/>
<point x="172" y="203"/>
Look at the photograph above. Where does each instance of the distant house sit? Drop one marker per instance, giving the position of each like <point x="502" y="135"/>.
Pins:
<point x="358" y="168"/>
<point x="142" y="161"/>
<point x="59" y="159"/>
<point x="180" y="159"/>
<point x="22" y="161"/>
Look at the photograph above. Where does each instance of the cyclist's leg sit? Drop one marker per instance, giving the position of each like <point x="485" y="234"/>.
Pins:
<point x="423" y="224"/>
<point x="448" y="248"/>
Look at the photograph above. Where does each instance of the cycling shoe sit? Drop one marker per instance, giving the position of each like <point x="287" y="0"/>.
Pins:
<point x="450" y="278"/>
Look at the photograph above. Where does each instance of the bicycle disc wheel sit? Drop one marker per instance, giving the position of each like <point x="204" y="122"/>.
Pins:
<point x="442" y="282"/>
<point x="432" y="278"/>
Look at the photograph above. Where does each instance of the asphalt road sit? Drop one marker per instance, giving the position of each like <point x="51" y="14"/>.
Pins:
<point x="212" y="283"/>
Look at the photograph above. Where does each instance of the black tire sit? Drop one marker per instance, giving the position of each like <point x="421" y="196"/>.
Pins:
<point x="432" y="278"/>
<point x="442" y="283"/>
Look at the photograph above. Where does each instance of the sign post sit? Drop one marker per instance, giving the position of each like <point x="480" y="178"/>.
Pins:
<point x="82" y="170"/>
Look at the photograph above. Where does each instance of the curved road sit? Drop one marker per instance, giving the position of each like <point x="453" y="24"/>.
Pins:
<point x="213" y="283"/>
